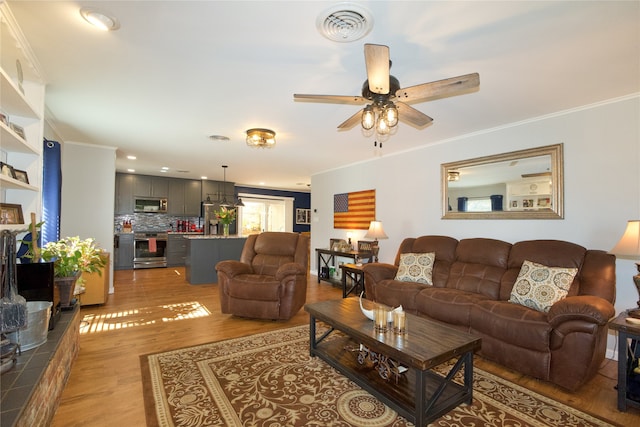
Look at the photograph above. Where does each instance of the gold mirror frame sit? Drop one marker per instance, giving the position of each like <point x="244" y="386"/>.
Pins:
<point x="490" y="164"/>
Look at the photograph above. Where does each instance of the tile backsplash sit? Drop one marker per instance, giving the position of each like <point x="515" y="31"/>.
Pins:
<point x="153" y="221"/>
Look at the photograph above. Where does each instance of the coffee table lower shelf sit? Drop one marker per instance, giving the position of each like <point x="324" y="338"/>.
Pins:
<point x="420" y="396"/>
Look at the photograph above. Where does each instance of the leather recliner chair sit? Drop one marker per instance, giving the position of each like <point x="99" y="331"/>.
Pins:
<point x="269" y="281"/>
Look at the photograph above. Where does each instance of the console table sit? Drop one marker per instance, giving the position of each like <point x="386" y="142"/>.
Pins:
<point x="326" y="258"/>
<point x="625" y="331"/>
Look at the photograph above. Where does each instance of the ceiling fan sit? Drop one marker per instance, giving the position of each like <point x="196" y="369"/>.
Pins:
<point x="387" y="101"/>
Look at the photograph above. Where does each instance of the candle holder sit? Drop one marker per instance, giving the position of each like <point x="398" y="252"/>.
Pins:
<point x="380" y="319"/>
<point x="399" y="322"/>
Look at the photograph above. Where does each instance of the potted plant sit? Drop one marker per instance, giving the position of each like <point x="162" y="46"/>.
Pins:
<point x="71" y="257"/>
<point x="225" y="217"/>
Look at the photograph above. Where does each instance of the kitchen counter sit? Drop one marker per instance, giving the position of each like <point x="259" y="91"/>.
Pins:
<point x="204" y="252"/>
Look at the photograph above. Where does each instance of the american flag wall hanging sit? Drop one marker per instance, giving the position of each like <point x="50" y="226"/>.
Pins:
<point x="354" y="210"/>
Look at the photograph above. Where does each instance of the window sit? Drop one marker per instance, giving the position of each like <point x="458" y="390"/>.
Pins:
<point x="265" y="214"/>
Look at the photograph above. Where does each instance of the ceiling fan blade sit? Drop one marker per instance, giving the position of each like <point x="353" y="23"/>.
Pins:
<point x="440" y="89"/>
<point x="377" y="60"/>
<point x="410" y="115"/>
<point x="351" y="121"/>
<point x="332" y="99"/>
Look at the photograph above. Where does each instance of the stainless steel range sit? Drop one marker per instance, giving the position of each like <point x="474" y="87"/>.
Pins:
<point x="150" y="249"/>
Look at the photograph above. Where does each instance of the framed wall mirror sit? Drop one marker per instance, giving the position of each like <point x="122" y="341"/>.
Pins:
<point x="525" y="184"/>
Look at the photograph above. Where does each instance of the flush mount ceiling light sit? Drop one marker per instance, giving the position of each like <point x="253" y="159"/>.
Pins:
<point x="453" y="176"/>
<point x="345" y="22"/>
<point x="262" y="138"/>
<point x="99" y="19"/>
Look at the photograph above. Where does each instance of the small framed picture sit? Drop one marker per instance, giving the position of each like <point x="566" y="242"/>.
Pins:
<point x="17" y="129"/>
<point x="11" y="214"/>
<point x="7" y="170"/>
<point x="303" y="216"/>
<point x="21" y="175"/>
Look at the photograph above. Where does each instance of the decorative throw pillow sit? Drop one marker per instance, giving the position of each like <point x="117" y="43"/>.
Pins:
<point x="539" y="286"/>
<point x="416" y="267"/>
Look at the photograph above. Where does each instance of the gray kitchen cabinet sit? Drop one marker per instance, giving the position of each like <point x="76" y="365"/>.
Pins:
<point x="184" y="197"/>
<point x="123" y="251"/>
<point x="124" y="194"/>
<point x="151" y="186"/>
<point x="192" y="197"/>
<point x="217" y="190"/>
<point x="176" y="250"/>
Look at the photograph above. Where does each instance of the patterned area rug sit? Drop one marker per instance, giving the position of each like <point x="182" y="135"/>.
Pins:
<point x="269" y="379"/>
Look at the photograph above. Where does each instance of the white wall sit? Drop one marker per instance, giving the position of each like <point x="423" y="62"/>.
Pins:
<point x="601" y="186"/>
<point x="88" y="188"/>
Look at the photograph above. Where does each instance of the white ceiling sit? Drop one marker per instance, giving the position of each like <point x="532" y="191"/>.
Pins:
<point x="178" y="71"/>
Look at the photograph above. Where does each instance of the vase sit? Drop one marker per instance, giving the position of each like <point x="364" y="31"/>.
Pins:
<point x="66" y="286"/>
<point x="225" y="230"/>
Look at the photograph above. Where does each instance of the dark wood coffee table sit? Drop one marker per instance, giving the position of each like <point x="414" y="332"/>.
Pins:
<point x="420" y="394"/>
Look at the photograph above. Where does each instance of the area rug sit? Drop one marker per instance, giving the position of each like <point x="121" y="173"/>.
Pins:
<point x="269" y="379"/>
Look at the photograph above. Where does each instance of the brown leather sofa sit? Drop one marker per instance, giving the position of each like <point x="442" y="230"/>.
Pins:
<point x="472" y="284"/>
<point x="269" y="281"/>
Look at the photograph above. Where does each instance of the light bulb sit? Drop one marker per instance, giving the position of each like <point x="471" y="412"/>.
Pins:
<point x="368" y="117"/>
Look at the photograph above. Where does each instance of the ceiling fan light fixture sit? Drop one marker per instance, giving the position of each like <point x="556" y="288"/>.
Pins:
<point x="368" y="117"/>
<point x="99" y="19"/>
<point x="390" y="114"/>
<point x="382" y="127"/>
<point x="261" y="138"/>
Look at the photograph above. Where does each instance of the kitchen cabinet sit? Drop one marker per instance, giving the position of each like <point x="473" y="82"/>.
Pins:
<point x="96" y="284"/>
<point x="150" y="186"/>
<point x="22" y="123"/>
<point x="123" y="250"/>
<point x="184" y="197"/>
<point x="176" y="250"/>
<point x="217" y="190"/>
<point x="124" y="194"/>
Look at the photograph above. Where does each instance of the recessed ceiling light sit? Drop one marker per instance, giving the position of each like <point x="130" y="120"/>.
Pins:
<point x="99" y="19"/>
<point x="165" y="168"/>
<point x="203" y="177"/>
<point x="131" y="170"/>
<point x="131" y="157"/>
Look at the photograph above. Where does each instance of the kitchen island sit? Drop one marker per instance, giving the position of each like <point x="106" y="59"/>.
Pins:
<point x="204" y="252"/>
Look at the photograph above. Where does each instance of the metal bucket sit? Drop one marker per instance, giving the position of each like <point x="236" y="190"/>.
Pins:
<point x="35" y="334"/>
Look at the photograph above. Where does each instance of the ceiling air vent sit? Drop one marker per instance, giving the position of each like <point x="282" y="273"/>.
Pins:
<point x="345" y="22"/>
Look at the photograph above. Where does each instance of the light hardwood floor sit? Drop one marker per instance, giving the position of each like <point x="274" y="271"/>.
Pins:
<point x="156" y="310"/>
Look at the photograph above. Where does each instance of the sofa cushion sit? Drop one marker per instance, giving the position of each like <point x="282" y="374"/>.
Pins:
<point x="416" y="267"/>
<point x="443" y="247"/>
<point x="447" y="305"/>
<point x="539" y="286"/>
<point x="394" y="293"/>
<point x="479" y="266"/>
<point x="512" y="323"/>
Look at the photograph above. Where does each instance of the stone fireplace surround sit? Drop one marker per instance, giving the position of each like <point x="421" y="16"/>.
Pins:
<point x="31" y="390"/>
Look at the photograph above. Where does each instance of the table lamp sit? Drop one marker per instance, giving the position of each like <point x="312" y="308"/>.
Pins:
<point x="375" y="232"/>
<point x="629" y="247"/>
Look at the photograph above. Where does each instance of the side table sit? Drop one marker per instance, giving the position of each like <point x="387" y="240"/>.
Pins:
<point x="356" y="275"/>
<point x="625" y="331"/>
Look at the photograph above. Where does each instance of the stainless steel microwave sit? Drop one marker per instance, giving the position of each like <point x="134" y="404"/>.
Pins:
<point x="150" y="204"/>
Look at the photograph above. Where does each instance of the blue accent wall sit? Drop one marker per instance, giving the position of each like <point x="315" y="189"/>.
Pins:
<point x="301" y="201"/>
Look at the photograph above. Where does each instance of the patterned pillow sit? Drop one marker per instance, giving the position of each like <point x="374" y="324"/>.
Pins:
<point x="539" y="286"/>
<point x="416" y="267"/>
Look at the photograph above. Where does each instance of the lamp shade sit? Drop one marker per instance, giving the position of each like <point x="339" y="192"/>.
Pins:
<point x="629" y="243"/>
<point x="376" y="231"/>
